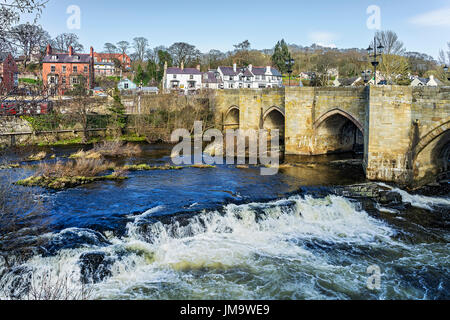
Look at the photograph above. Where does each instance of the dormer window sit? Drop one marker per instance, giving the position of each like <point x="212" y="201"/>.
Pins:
<point x="54" y="57"/>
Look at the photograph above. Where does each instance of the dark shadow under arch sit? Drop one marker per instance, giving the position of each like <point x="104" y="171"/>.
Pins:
<point x="232" y="118"/>
<point x="338" y="111"/>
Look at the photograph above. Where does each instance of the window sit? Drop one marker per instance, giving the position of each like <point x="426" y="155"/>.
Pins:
<point x="85" y="69"/>
<point x="231" y="78"/>
<point x="74" y="80"/>
<point x="53" y="68"/>
<point x="54" y="57"/>
<point x="191" y="77"/>
<point x="126" y="85"/>
<point x="64" y="80"/>
<point x="64" y="69"/>
<point x="174" y="76"/>
<point x="75" y="69"/>
<point x="52" y="79"/>
<point x="249" y="86"/>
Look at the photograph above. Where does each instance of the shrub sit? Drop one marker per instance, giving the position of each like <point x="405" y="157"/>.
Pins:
<point x="117" y="149"/>
<point x="77" y="168"/>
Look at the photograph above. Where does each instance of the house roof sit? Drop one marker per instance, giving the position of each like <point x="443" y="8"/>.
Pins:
<point x="275" y="72"/>
<point x="66" y="58"/>
<point x="438" y="82"/>
<point x="153" y="89"/>
<point x="173" y="70"/>
<point x="229" y="71"/>
<point x="347" y="81"/>
<point x="3" y="56"/>
<point x="257" y="71"/>
<point x="210" y="77"/>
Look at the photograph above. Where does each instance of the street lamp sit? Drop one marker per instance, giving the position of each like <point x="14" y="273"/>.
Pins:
<point x="290" y="63"/>
<point x="375" y="53"/>
<point x="447" y="74"/>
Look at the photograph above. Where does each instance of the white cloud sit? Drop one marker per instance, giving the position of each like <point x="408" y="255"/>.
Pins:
<point x="323" y="38"/>
<point x="436" y="18"/>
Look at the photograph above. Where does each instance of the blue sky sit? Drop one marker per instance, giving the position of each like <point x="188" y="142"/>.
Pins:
<point x="422" y="25"/>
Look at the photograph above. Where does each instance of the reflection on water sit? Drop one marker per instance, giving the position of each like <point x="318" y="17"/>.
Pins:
<point x="230" y="233"/>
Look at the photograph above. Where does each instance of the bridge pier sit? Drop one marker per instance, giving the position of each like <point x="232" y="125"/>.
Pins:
<point x="404" y="130"/>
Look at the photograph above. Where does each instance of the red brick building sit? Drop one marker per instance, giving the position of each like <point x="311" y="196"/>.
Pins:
<point x="8" y="73"/>
<point x="124" y="59"/>
<point x="62" y="71"/>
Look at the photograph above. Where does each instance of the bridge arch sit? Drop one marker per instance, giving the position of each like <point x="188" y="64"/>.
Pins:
<point x="428" y="138"/>
<point x="232" y="118"/>
<point x="275" y="118"/>
<point x="431" y="155"/>
<point x="338" y="131"/>
<point x="342" y="113"/>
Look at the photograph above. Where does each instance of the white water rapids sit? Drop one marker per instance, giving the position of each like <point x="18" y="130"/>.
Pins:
<point x="297" y="248"/>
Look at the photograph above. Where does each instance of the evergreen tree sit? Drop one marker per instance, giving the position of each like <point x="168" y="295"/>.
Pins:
<point x="280" y="55"/>
<point x="118" y="110"/>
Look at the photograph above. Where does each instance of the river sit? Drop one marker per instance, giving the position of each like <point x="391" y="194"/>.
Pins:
<point x="230" y="233"/>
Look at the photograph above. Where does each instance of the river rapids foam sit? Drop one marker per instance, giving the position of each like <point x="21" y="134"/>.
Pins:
<point x="296" y="248"/>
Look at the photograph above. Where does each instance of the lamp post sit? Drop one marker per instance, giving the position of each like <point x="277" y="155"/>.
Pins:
<point x="447" y="74"/>
<point x="290" y="63"/>
<point x="375" y="53"/>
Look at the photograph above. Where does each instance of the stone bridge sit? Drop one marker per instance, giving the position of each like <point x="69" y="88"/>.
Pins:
<point x="404" y="131"/>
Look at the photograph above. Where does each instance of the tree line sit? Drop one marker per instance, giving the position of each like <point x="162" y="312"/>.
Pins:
<point x="148" y="62"/>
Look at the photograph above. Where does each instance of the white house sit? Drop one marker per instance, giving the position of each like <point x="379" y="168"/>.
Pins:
<point x="433" y="82"/>
<point x="212" y="80"/>
<point x="186" y="80"/>
<point x="104" y="68"/>
<point x="421" y="82"/>
<point x="250" y="77"/>
<point x="347" y="82"/>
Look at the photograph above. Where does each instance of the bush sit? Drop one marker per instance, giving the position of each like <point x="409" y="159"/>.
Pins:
<point x="77" y="168"/>
<point x="117" y="149"/>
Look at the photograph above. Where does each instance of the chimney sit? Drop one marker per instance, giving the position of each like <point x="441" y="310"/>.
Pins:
<point x="49" y="49"/>
<point x="165" y="66"/>
<point x="92" y="52"/>
<point x="235" y="67"/>
<point x="431" y="77"/>
<point x="182" y="65"/>
<point x="198" y="67"/>
<point x="268" y="69"/>
<point x="250" y="67"/>
<point x="70" y="51"/>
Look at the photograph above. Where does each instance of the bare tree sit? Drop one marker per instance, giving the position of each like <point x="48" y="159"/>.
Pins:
<point x="184" y="52"/>
<point x="444" y="57"/>
<point x="63" y="41"/>
<point x="123" y="46"/>
<point x="10" y="11"/>
<point x="390" y="42"/>
<point x="140" y="45"/>
<point x="110" y="48"/>
<point x="30" y="39"/>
